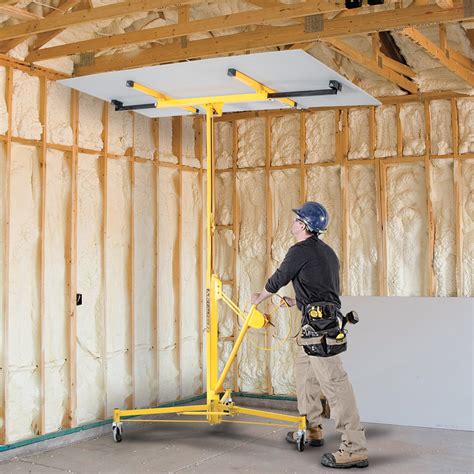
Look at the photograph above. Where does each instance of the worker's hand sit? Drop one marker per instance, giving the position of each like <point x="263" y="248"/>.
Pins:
<point x="287" y="301"/>
<point x="255" y="298"/>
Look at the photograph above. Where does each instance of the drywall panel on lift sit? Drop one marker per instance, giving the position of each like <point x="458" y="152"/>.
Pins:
<point x="168" y="270"/>
<point x="119" y="330"/>
<point x="190" y="291"/>
<point x="24" y="295"/>
<point x="90" y="327"/>
<point x="56" y="294"/>
<point x="283" y="71"/>
<point x="144" y="209"/>
<point x="410" y="360"/>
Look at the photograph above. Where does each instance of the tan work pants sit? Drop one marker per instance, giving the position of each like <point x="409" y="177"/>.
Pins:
<point x="326" y="374"/>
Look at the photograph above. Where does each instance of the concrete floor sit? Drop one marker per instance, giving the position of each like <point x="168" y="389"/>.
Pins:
<point x="196" y="447"/>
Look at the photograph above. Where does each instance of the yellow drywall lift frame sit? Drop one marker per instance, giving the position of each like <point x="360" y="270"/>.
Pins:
<point x="219" y="406"/>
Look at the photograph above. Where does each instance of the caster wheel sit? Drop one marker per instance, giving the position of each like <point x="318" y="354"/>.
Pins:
<point x="300" y="440"/>
<point x="229" y="401"/>
<point x="117" y="433"/>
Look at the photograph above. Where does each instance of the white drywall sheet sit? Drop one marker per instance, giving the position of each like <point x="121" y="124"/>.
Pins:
<point x="411" y="360"/>
<point x="281" y="70"/>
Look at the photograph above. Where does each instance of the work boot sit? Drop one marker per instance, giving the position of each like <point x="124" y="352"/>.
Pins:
<point x="314" y="436"/>
<point x="343" y="460"/>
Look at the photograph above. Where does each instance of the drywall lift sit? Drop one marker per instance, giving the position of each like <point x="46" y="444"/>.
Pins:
<point x="219" y="406"/>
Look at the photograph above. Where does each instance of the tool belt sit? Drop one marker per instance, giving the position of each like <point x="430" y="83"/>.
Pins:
<point x="322" y="330"/>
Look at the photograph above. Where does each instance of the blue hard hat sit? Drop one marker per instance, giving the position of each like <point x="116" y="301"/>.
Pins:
<point x="314" y="215"/>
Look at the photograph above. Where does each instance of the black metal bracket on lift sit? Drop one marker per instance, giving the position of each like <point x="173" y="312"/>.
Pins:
<point x="334" y="88"/>
<point x="119" y="107"/>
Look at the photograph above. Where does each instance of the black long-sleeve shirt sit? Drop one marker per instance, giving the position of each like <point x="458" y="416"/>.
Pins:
<point x="313" y="267"/>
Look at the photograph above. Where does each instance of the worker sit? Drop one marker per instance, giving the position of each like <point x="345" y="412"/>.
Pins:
<point x="313" y="268"/>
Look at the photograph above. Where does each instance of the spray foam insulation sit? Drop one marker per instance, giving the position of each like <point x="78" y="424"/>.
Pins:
<point x="191" y="130"/>
<point x="118" y="294"/>
<point x="407" y="222"/>
<point x="412" y="118"/>
<point x="165" y="140"/>
<point x="90" y="315"/>
<point x="58" y="112"/>
<point x="190" y="289"/>
<point x="3" y="178"/>
<point x="144" y="142"/>
<point x="3" y="104"/>
<point x="120" y="131"/>
<point x="25" y="105"/>
<point x="358" y="134"/>
<point x="285" y="140"/>
<point x="385" y="131"/>
<point x="321" y="137"/>
<point x="468" y="226"/>
<point x="251" y="143"/>
<point x="168" y="271"/>
<point x="224" y="205"/>
<point x="444" y="258"/>
<point x="24" y="295"/>
<point x="56" y="297"/>
<point x="90" y="122"/>
<point x="145" y="279"/>
<point x="363" y="256"/>
<point x="466" y="125"/>
<point x="441" y="128"/>
<point x="223" y="145"/>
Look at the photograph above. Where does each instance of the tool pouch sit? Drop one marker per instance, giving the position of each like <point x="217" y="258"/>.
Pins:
<point x="322" y="330"/>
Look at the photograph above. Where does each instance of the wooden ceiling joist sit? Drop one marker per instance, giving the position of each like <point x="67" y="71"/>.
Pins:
<point x="85" y="16"/>
<point x="374" y="65"/>
<point x="433" y="50"/>
<point x="20" y="13"/>
<point x="42" y="38"/>
<point x="184" y="29"/>
<point x="267" y="37"/>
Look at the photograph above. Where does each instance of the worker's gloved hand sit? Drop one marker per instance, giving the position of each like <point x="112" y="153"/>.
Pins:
<point x="287" y="301"/>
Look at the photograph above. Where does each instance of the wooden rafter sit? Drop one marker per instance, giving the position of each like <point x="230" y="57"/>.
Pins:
<point x="267" y="37"/>
<point x="183" y="29"/>
<point x="92" y="14"/>
<point x="44" y="37"/>
<point x="436" y="52"/>
<point x="18" y="12"/>
<point x="450" y="52"/>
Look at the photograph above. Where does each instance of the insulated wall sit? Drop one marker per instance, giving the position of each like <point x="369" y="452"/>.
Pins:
<point x="398" y="185"/>
<point x="101" y="258"/>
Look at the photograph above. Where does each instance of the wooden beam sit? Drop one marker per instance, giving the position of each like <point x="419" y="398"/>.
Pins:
<point x="72" y="270"/>
<point x="183" y="29"/>
<point x="6" y="262"/>
<point x="373" y="65"/>
<point x="439" y="54"/>
<point x="43" y="164"/>
<point x="275" y="36"/>
<point x="8" y="2"/>
<point x="20" y="13"/>
<point x="85" y="16"/>
<point x="381" y="202"/>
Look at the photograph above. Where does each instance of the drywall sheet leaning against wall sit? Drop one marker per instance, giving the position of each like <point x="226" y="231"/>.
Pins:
<point x="118" y="291"/>
<point x="24" y="294"/>
<point x="168" y="271"/>
<point x="144" y="209"/>
<point x="190" y="347"/>
<point x="324" y="186"/>
<point x="285" y="192"/>
<point x="251" y="274"/>
<point x="362" y="232"/>
<point x="58" y="111"/>
<point x="56" y="295"/>
<point x="444" y="257"/>
<point x="468" y="226"/>
<point x="3" y="198"/>
<point x="407" y="230"/>
<point x="90" y="316"/>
